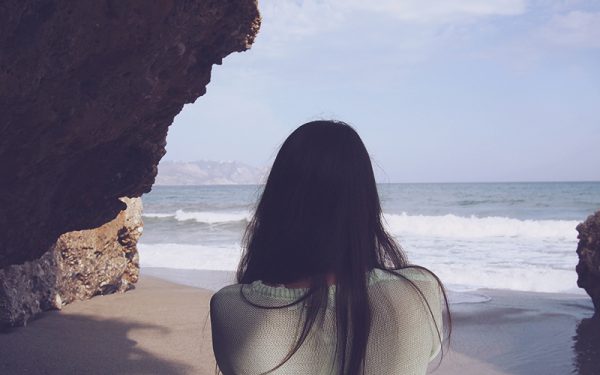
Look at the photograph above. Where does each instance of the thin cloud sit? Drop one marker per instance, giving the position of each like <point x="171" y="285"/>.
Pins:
<point x="439" y="11"/>
<point x="291" y="21"/>
<point x="574" y="29"/>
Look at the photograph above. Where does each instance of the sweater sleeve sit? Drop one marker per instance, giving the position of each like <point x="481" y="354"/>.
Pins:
<point x="407" y="322"/>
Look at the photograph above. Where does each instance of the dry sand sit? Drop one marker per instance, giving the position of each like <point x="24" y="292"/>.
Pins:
<point x="158" y="328"/>
<point x="163" y="328"/>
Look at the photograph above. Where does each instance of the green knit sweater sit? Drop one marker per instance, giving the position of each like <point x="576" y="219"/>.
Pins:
<point x="249" y="340"/>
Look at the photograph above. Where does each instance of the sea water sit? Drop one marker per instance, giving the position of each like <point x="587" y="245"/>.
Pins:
<point x="518" y="236"/>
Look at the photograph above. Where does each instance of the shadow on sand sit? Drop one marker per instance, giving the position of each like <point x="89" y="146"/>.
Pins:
<point x="78" y="344"/>
<point x="586" y="345"/>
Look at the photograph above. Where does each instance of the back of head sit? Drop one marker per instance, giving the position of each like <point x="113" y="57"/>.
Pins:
<point x="319" y="215"/>
<point x="319" y="204"/>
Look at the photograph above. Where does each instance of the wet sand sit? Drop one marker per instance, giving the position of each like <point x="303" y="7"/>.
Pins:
<point x="163" y="328"/>
<point x="525" y="333"/>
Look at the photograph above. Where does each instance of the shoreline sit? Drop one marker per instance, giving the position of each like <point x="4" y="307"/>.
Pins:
<point x="162" y="327"/>
<point x="215" y="279"/>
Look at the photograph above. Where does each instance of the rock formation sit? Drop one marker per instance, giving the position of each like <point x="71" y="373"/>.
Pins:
<point x="88" y="90"/>
<point x="588" y="249"/>
<point x="79" y="265"/>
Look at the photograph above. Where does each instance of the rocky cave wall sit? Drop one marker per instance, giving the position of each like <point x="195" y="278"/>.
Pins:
<point x="588" y="250"/>
<point x="88" y="90"/>
<point x="79" y="265"/>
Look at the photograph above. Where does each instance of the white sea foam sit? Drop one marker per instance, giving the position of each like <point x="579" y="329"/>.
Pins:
<point x="449" y="226"/>
<point x="208" y="217"/>
<point x="460" y="297"/>
<point x="157" y="215"/>
<point x="462" y="277"/>
<point x="198" y="257"/>
<point x="466" y="252"/>
<point x="452" y="226"/>
<point x="534" y="279"/>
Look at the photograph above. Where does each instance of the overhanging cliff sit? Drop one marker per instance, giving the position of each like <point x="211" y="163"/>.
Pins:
<point x="88" y="90"/>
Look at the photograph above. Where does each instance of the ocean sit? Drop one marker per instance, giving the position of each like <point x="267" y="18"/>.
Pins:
<point x="518" y="236"/>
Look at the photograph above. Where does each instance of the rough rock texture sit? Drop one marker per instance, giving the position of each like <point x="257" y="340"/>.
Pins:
<point x="588" y="249"/>
<point x="79" y="265"/>
<point x="88" y="90"/>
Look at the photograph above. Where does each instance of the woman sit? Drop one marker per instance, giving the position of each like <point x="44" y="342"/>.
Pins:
<point x="322" y="288"/>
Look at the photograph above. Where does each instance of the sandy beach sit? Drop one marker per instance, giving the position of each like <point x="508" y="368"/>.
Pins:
<point x="158" y="328"/>
<point x="162" y="328"/>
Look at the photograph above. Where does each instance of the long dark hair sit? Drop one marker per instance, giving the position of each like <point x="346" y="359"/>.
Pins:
<point x="319" y="214"/>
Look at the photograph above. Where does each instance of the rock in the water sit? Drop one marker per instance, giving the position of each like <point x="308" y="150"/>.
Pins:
<point x="87" y="91"/>
<point x="588" y="249"/>
<point x="78" y="266"/>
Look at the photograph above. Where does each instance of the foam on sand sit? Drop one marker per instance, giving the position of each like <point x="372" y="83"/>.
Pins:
<point x="182" y="256"/>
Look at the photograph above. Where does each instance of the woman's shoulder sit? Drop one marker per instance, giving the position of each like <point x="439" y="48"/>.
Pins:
<point x="414" y="275"/>
<point x="406" y="284"/>
<point x="229" y="289"/>
<point x="410" y="273"/>
<point x="226" y="293"/>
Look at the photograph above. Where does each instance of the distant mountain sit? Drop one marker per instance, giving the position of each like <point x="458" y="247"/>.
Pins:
<point x="207" y="172"/>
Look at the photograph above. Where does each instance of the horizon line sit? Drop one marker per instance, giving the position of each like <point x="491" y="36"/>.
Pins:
<point x="422" y="182"/>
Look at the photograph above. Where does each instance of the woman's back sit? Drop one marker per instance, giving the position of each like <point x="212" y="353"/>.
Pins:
<point x="318" y="220"/>
<point x="403" y="338"/>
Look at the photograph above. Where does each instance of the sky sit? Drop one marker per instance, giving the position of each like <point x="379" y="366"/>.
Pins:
<point x="439" y="90"/>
